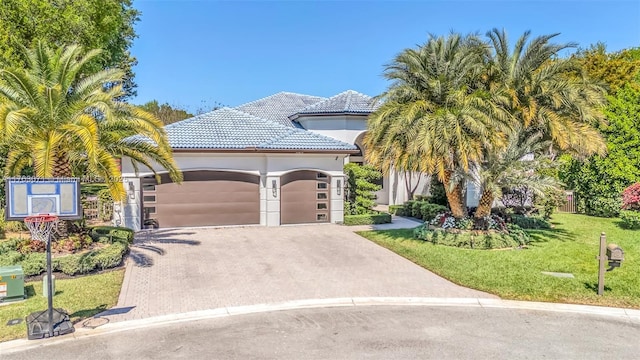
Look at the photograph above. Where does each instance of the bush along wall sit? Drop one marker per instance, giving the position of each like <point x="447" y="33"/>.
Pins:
<point x="367" y="219"/>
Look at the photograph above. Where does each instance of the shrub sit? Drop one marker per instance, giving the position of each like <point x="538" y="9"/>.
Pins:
<point x="360" y="179"/>
<point x="397" y="210"/>
<point x="367" y="219"/>
<point x="603" y="206"/>
<point x="530" y="222"/>
<point x="630" y="219"/>
<point x="34" y="264"/>
<point x="10" y="258"/>
<point x="108" y="234"/>
<point x="428" y="211"/>
<point x="437" y="194"/>
<point x="111" y="256"/>
<point x="416" y="209"/>
<point x="9" y="245"/>
<point x="631" y="197"/>
<point x="76" y="263"/>
<point x="491" y="239"/>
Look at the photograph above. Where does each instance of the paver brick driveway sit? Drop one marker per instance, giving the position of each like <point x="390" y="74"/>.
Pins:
<point x="180" y="270"/>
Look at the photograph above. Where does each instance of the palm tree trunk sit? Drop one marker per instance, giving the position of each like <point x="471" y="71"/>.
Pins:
<point x="455" y="198"/>
<point x="61" y="168"/>
<point x="484" y="206"/>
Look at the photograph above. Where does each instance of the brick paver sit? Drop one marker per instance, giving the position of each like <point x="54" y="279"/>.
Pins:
<point x="180" y="270"/>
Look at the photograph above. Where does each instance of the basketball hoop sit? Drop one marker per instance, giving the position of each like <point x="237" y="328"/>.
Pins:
<point x="41" y="226"/>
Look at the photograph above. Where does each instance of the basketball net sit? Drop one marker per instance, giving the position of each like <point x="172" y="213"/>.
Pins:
<point x="41" y="226"/>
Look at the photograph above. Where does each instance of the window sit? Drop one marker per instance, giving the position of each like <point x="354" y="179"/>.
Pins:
<point x="321" y="217"/>
<point x="321" y="206"/>
<point x="321" y="176"/>
<point x="322" y="196"/>
<point x="322" y="185"/>
<point x="148" y="187"/>
<point x="151" y="198"/>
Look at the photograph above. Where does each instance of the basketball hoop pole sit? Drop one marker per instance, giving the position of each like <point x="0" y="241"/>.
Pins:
<point x="49" y="286"/>
<point x="41" y="227"/>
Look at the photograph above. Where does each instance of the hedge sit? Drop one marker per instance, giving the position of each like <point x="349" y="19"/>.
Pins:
<point x="483" y="240"/>
<point x="530" y="222"/>
<point x="35" y="263"/>
<point x="367" y="219"/>
<point x="109" y="234"/>
<point x="397" y="210"/>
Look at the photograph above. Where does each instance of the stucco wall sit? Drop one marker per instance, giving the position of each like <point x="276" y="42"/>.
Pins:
<point x="269" y="166"/>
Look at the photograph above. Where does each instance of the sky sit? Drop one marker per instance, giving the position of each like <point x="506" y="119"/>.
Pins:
<point x="201" y="54"/>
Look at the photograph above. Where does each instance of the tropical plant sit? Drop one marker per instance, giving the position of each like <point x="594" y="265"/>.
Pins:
<point x="434" y="117"/>
<point x="549" y="102"/>
<point x="57" y="117"/>
<point x="512" y="168"/>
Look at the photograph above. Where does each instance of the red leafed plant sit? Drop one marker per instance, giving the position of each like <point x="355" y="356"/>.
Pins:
<point x="631" y="197"/>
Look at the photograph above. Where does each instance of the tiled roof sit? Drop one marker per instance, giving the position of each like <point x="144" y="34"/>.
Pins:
<point x="233" y="129"/>
<point x="348" y="102"/>
<point x="278" y="107"/>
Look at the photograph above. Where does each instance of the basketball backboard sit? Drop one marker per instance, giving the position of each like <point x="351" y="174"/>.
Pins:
<point x="34" y="196"/>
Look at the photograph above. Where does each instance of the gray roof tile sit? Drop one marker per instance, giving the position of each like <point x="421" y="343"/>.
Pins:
<point x="233" y="129"/>
<point x="278" y="107"/>
<point x="348" y="102"/>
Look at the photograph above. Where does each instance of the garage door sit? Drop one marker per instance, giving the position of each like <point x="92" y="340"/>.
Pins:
<point x="204" y="198"/>
<point x="304" y="197"/>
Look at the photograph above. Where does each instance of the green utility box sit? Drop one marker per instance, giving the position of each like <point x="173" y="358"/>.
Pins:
<point x="11" y="283"/>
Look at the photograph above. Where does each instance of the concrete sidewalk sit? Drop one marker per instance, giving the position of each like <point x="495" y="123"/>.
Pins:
<point x="183" y="270"/>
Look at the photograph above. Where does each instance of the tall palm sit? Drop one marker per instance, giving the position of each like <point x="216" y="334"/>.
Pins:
<point x="547" y="95"/>
<point x="56" y="117"/>
<point x="434" y="118"/>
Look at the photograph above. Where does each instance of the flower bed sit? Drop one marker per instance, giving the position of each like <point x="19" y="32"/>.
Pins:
<point x="491" y="232"/>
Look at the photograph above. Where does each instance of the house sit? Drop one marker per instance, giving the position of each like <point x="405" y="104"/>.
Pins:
<point x="277" y="160"/>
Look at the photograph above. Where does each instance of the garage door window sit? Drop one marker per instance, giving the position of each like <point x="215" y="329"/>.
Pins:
<point x="322" y="185"/>
<point x="321" y="206"/>
<point x="321" y="217"/>
<point x="322" y="196"/>
<point x="321" y="176"/>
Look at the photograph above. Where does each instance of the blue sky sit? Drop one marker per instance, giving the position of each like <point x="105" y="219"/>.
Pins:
<point x="196" y="54"/>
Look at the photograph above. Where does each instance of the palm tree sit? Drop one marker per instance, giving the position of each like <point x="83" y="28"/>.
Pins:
<point x="547" y="95"/>
<point x="57" y="118"/>
<point x="509" y="169"/>
<point x="434" y="118"/>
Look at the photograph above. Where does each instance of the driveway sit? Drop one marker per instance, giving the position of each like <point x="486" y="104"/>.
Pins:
<point x="182" y="270"/>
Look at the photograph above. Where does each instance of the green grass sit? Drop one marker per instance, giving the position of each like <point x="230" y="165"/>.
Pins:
<point x="82" y="297"/>
<point x="571" y="246"/>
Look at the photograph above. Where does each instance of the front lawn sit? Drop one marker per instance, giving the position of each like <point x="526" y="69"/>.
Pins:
<point x="82" y="297"/>
<point x="570" y="247"/>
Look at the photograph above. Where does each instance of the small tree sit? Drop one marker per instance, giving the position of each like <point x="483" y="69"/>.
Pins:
<point x="360" y="196"/>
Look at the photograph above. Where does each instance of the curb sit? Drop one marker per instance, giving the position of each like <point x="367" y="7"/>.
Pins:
<point x="82" y="333"/>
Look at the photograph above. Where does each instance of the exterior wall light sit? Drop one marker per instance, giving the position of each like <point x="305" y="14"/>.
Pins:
<point x="274" y="190"/>
<point x="339" y="186"/>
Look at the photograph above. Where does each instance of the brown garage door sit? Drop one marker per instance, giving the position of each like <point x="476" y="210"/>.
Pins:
<point x="304" y="197"/>
<point x="204" y="198"/>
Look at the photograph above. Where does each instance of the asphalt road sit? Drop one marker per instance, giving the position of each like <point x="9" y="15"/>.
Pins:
<point x="374" y="332"/>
